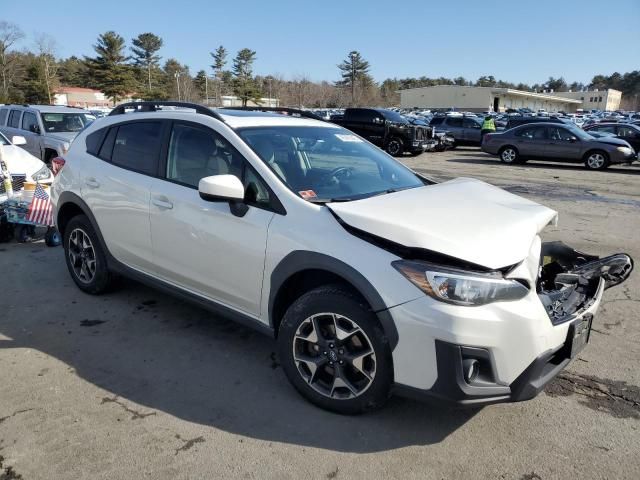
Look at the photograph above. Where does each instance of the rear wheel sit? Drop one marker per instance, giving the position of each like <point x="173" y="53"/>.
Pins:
<point x="334" y="352"/>
<point x="84" y="256"/>
<point x="509" y="155"/>
<point x="596" y="160"/>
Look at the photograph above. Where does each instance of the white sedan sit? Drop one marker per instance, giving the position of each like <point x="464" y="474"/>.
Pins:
<point x="22" y="166"/>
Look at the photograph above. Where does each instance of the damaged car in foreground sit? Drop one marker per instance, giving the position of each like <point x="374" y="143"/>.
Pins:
<point x="371" y="278"/>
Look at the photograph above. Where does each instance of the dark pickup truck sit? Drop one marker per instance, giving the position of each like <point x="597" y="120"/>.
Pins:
<point x="386" y="129"/>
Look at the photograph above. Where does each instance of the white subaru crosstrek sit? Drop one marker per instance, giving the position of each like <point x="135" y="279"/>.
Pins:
<point x="372" y="278"/>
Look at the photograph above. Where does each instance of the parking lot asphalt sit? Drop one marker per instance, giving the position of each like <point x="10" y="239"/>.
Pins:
<point x="136" y="384"/>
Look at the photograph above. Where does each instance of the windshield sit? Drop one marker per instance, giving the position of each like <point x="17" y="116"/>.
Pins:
<point x="394" y="116"/>
<point x="66" y="122"/>
<point x="328" y="164"/>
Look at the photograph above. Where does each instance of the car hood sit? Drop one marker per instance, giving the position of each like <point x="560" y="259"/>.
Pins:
<point x="62" y="136"/>
<point x="618" y="142"/>
<point x="463" y="218"/>
<point x="20" y="161"/>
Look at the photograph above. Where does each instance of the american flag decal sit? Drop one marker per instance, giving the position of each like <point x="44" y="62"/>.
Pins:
<point x="40" y="210"/>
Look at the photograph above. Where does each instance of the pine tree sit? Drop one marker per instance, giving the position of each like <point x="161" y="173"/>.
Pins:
<point x="145" y="49"/>
<point x="244" y="85"/>
<point x="109" y="68"/>
<point x="219" y="62"/>
<point x="354" y="71"/>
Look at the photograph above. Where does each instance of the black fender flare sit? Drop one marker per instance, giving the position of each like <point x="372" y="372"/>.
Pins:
<point x="300" y="260"/>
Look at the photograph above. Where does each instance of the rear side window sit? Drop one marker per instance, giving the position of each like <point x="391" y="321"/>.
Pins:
<point x="29" y="122"/>
<point x="137" y="145"/>
<point x="531" y="133"/>
<point x="107" y="146"/>
<point x="94" y="141"/>
<point x="3" y="116"/>
<point x="454" y="122"/>
<point x="14" y="118"/>
<point x="436" y="121"/>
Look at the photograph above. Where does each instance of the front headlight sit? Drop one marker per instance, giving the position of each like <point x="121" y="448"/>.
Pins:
<point x="625" y="150"/>
<point x="43" y="174"/>
<point x="459" y="287"/>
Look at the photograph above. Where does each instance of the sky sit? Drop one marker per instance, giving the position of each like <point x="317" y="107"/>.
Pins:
<point x="517" y="41"/>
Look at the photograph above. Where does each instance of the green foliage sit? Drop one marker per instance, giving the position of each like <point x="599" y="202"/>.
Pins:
<point x="112" y="74"/>
<point x="145" y="49"/>
<point x="244" y="85"/>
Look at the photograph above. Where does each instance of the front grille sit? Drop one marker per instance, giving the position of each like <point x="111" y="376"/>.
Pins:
<point x="419" y="134"/>
<point x="17" y="183"/>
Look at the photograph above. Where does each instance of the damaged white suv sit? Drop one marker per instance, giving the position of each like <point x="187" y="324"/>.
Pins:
<point x="373" y="279"/>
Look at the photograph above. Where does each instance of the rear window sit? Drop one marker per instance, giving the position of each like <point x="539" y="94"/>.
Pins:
<point x="14" y="118"/>
<point x="454" y="122"/>
<point x="137" y="146"/>
<point x="436" y="121"/>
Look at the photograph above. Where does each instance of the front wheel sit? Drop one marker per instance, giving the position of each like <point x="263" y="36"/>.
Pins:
<point x="509" y="155"/>
<point x="334" y="351"/>
<point x="596" y="160"/>
<point x="395" y="147"/>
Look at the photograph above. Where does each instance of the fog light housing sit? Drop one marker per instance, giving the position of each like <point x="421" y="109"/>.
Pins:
<point x="470" y="369"/>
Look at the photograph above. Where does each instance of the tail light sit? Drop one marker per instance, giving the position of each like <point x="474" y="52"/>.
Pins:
<point x="56" y="165"/>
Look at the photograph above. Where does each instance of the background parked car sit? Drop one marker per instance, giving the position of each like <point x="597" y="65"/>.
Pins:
<point x="464" y="129"/>
<point x="22" y="166"/>
<point x="515" y="121"/>
<point x="47" y="129"/>
<point x="557" y="142"/>
<point x="624" y="131"/>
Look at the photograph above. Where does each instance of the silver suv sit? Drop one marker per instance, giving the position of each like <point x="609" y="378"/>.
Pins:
<point x="48" y="129"/>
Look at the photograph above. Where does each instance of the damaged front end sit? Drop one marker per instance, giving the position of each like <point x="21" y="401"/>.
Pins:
<point x="569" y="280"/>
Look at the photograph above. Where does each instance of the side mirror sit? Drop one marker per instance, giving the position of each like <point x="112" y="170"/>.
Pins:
<point x="224" y="188"/>
<point x="573" y="139"/>
<point x="34" y="128"/>
<point x="18" y="140"/>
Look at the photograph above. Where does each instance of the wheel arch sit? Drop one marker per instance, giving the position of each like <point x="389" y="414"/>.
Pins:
<point x="301" y="271"/>
<point x="70" y="205"/>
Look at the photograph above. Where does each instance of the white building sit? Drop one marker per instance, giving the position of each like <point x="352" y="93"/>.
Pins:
<point x="596" y="99"/>
<point x="233" y="101"/>
<point x="481" y="99"/>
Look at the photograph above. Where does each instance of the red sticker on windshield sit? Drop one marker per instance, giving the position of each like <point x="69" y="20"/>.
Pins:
<point x="307" y="194"/>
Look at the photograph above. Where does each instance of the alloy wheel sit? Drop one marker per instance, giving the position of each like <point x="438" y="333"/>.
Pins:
<point x="334" y="356"/>
<point x="508" y="155"/>
<point x="82" y="256"/>
<point x="596" y="161"/>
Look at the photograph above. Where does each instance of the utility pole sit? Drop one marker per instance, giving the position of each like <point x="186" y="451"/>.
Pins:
<point x="177" y="75"/>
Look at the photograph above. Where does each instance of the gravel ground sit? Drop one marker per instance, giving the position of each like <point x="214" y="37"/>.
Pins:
<point x="138" y="384"/>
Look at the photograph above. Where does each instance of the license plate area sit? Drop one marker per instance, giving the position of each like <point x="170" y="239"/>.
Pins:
<point x="579" y="333"/>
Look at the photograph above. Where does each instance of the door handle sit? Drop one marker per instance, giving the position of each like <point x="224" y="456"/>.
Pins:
<point x="162" y="202"/>
<point x="92" y="182"/>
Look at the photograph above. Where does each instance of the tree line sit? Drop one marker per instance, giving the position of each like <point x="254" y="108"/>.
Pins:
<point x="120" y="70"/>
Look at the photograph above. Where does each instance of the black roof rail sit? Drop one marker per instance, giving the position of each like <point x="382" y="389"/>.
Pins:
<point x="291" y="111"/>
<point x="153" y="107"/>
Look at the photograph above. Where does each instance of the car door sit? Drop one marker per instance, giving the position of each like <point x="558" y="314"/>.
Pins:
<point x="30" y="130"/>
<point x="531" y="140"/>
<point x="116" y="186"/>
<point x="631" y="134"/>
<point x="202" y="245"/>
<point x="562" y="144"/>
<point x="13" y="123"/>
<point x="472" y="130"/>
<point x="454" y="125"/>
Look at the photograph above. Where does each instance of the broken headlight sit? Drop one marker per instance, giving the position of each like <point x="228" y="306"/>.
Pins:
<point x="459" y="287"/>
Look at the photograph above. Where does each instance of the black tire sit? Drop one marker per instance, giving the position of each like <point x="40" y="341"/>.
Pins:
<point x="395" y="147"/>
<point x="509" y="155"/>
<point x="101" y="279"/>
<point x="453" y="146"/>
<point x="374" y="388"/>
<point x="52" y="238"/>
<point x="596" y="160"/>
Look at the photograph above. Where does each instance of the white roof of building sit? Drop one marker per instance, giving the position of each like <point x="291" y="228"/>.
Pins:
<point x="503" y="90"/>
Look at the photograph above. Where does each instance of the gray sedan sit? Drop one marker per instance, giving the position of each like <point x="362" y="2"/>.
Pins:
<point x="557" y="142"/>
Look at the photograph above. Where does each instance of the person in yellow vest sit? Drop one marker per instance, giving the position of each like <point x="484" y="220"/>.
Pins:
<point x="488" y="126"/>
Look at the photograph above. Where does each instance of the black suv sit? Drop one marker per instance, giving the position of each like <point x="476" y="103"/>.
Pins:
<point x="386" y="129"/>
<point x="464" y="130"/>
